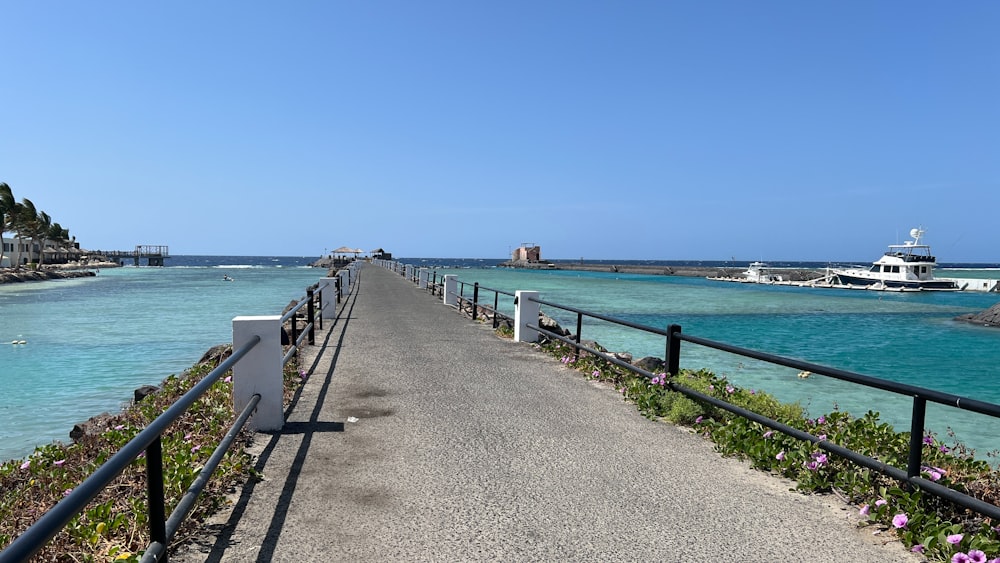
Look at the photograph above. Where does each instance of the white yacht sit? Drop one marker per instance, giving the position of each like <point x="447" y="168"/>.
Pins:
<point x="905" y="267"/>
<point x="758" y="272"/>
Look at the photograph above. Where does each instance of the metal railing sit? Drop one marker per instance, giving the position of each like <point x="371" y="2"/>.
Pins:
<point x="477" y="304"/>
<point x="911" y="476"/>
<point x="162" y="528"/>
<point x="313" y="301"/>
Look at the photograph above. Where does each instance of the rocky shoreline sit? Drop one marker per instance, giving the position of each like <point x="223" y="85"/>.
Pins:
<point x="686" y="271"/>
<point x="989" y="317"/>
<point x="10" y="275"/>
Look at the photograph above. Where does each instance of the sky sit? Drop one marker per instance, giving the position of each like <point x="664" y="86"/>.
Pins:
<point x="661" y="130"/>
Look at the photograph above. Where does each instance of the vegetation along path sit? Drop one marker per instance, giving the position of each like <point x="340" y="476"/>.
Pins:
<point x="421" y="436"/>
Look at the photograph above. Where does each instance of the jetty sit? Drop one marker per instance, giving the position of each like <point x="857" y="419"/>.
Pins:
<point x="153" y="254"/>
<point x="421" y="435"/>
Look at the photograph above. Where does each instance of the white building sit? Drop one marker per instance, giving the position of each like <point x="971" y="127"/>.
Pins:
<point x="27" y="251"/>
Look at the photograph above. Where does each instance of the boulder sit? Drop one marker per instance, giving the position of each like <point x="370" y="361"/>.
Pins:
<point x="143" y="392"/>
<point x="989" y="317"/>
<point x="652" y="364"/>
<point x="550" y="324"/>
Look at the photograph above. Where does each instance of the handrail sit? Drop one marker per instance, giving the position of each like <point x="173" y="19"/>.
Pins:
<point x="920" y="396"/>
<point x="147" y="441"/>
<point x="35" y="537"/>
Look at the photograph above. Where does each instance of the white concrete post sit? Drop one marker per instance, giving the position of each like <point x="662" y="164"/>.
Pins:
<point x="450" y="288"/>
<point x="525" y="311"/>
<point x="409" y="272"/>
<point x="345" y="281"/>
<point x="260" y="371"/>
<point x="329" y="302"/>
<point x="423" y="275"/>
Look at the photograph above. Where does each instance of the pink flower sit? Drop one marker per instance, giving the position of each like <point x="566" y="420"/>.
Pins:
<point x="821" y="420"/>
<point x="698" y="420"/>
<point x="919" y="548"/>
<point x="955" y="539"/>
<point x="881" y="502"/>
<point x="730" y="389"/>
<point x="768" y="434"/>
<point x="977" y="556"/>
<point x="960" y="558"/>
<point x="865" y="510"/>
<point x="900" y="520"/>
<point x="780" y="456"/>
<point x="67" y="492"/>
<point x="822" y="437"/>
<point x="928" y="440"/>
<point x="119" y="427"/>
<point x="228" y="379"/>
<point x="26" y="464"/>
<point x="196" y="448"/>
<point x="59" y="463"/>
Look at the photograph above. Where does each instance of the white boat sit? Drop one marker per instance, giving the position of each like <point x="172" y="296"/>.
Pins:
<point x="904" y="267"/>
<point x="757" y="272"/>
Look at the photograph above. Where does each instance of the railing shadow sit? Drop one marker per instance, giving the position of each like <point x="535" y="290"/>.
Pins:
<point x="307" y="429"/>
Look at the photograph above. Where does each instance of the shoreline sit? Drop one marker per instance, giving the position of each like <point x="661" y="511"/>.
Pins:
<point x="54" y="272"/>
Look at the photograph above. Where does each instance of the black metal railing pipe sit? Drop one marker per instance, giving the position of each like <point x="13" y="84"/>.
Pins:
<point x="963" y="403"/>
<point x="28" y="543"/>
<point x="607" y="318"/>
<point x="294" y="348"/>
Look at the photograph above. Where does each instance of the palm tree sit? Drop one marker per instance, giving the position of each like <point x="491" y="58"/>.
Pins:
<point x="25" y="221"/>
<point x="7" y="204"/>
<point x="39" y="232"/>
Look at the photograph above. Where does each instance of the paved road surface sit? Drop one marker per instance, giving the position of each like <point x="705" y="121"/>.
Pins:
<point x="421" y="436"/>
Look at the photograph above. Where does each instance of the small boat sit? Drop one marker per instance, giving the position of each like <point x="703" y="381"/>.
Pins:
<point x="904" y="267"/>
<point x="757" y="272"/>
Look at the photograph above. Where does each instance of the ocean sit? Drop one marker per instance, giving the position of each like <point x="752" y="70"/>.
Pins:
<point x="92" y="341"/>
<point x="907" y="337"/>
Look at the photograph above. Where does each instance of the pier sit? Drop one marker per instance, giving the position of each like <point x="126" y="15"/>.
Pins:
<point x="420" y="435"/>
<point x="152" y="253"/>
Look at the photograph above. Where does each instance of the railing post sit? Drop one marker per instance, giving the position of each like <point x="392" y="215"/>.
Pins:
<point x="154" y="491"/>
<point x="673" y="357"/>
<point x="345" y="280"/>
<point x="579" y="331"/>
<point x="916" y="436"/>
<point x="422" y="284"/>
<point x="475" y="300"/>
<point x="311" y="317"/>
<point x="260" y="371"/>
<point x="448" y="293"/>
<point x="496" y="309"/>
<point x="525" y="311"/>
<point x="339" y="295"/>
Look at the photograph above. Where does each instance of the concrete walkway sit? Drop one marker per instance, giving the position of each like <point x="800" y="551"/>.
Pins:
<point x="422" y="436"/>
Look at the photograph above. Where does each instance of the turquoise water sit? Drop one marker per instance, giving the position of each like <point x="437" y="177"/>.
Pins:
<point x="906" y="337"/>
<point x="92" y="341"/>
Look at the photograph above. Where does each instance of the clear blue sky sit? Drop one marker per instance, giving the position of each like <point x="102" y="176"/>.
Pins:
<point x="657" y="130"/>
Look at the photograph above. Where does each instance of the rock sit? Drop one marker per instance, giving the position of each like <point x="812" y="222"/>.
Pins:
<point x="143" y="392"/>
<point x="92" y="427"/>
<point x="550" y="324"/>
<point x="989" y="317"/>
<point x="652" y="364"/>
<point x="216" y="354"/>
<point x="623" y="356"/>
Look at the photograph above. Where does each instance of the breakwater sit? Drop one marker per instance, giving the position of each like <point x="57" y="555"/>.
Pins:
<point x="796" y="274"/>
<point x="42" y="275"/>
